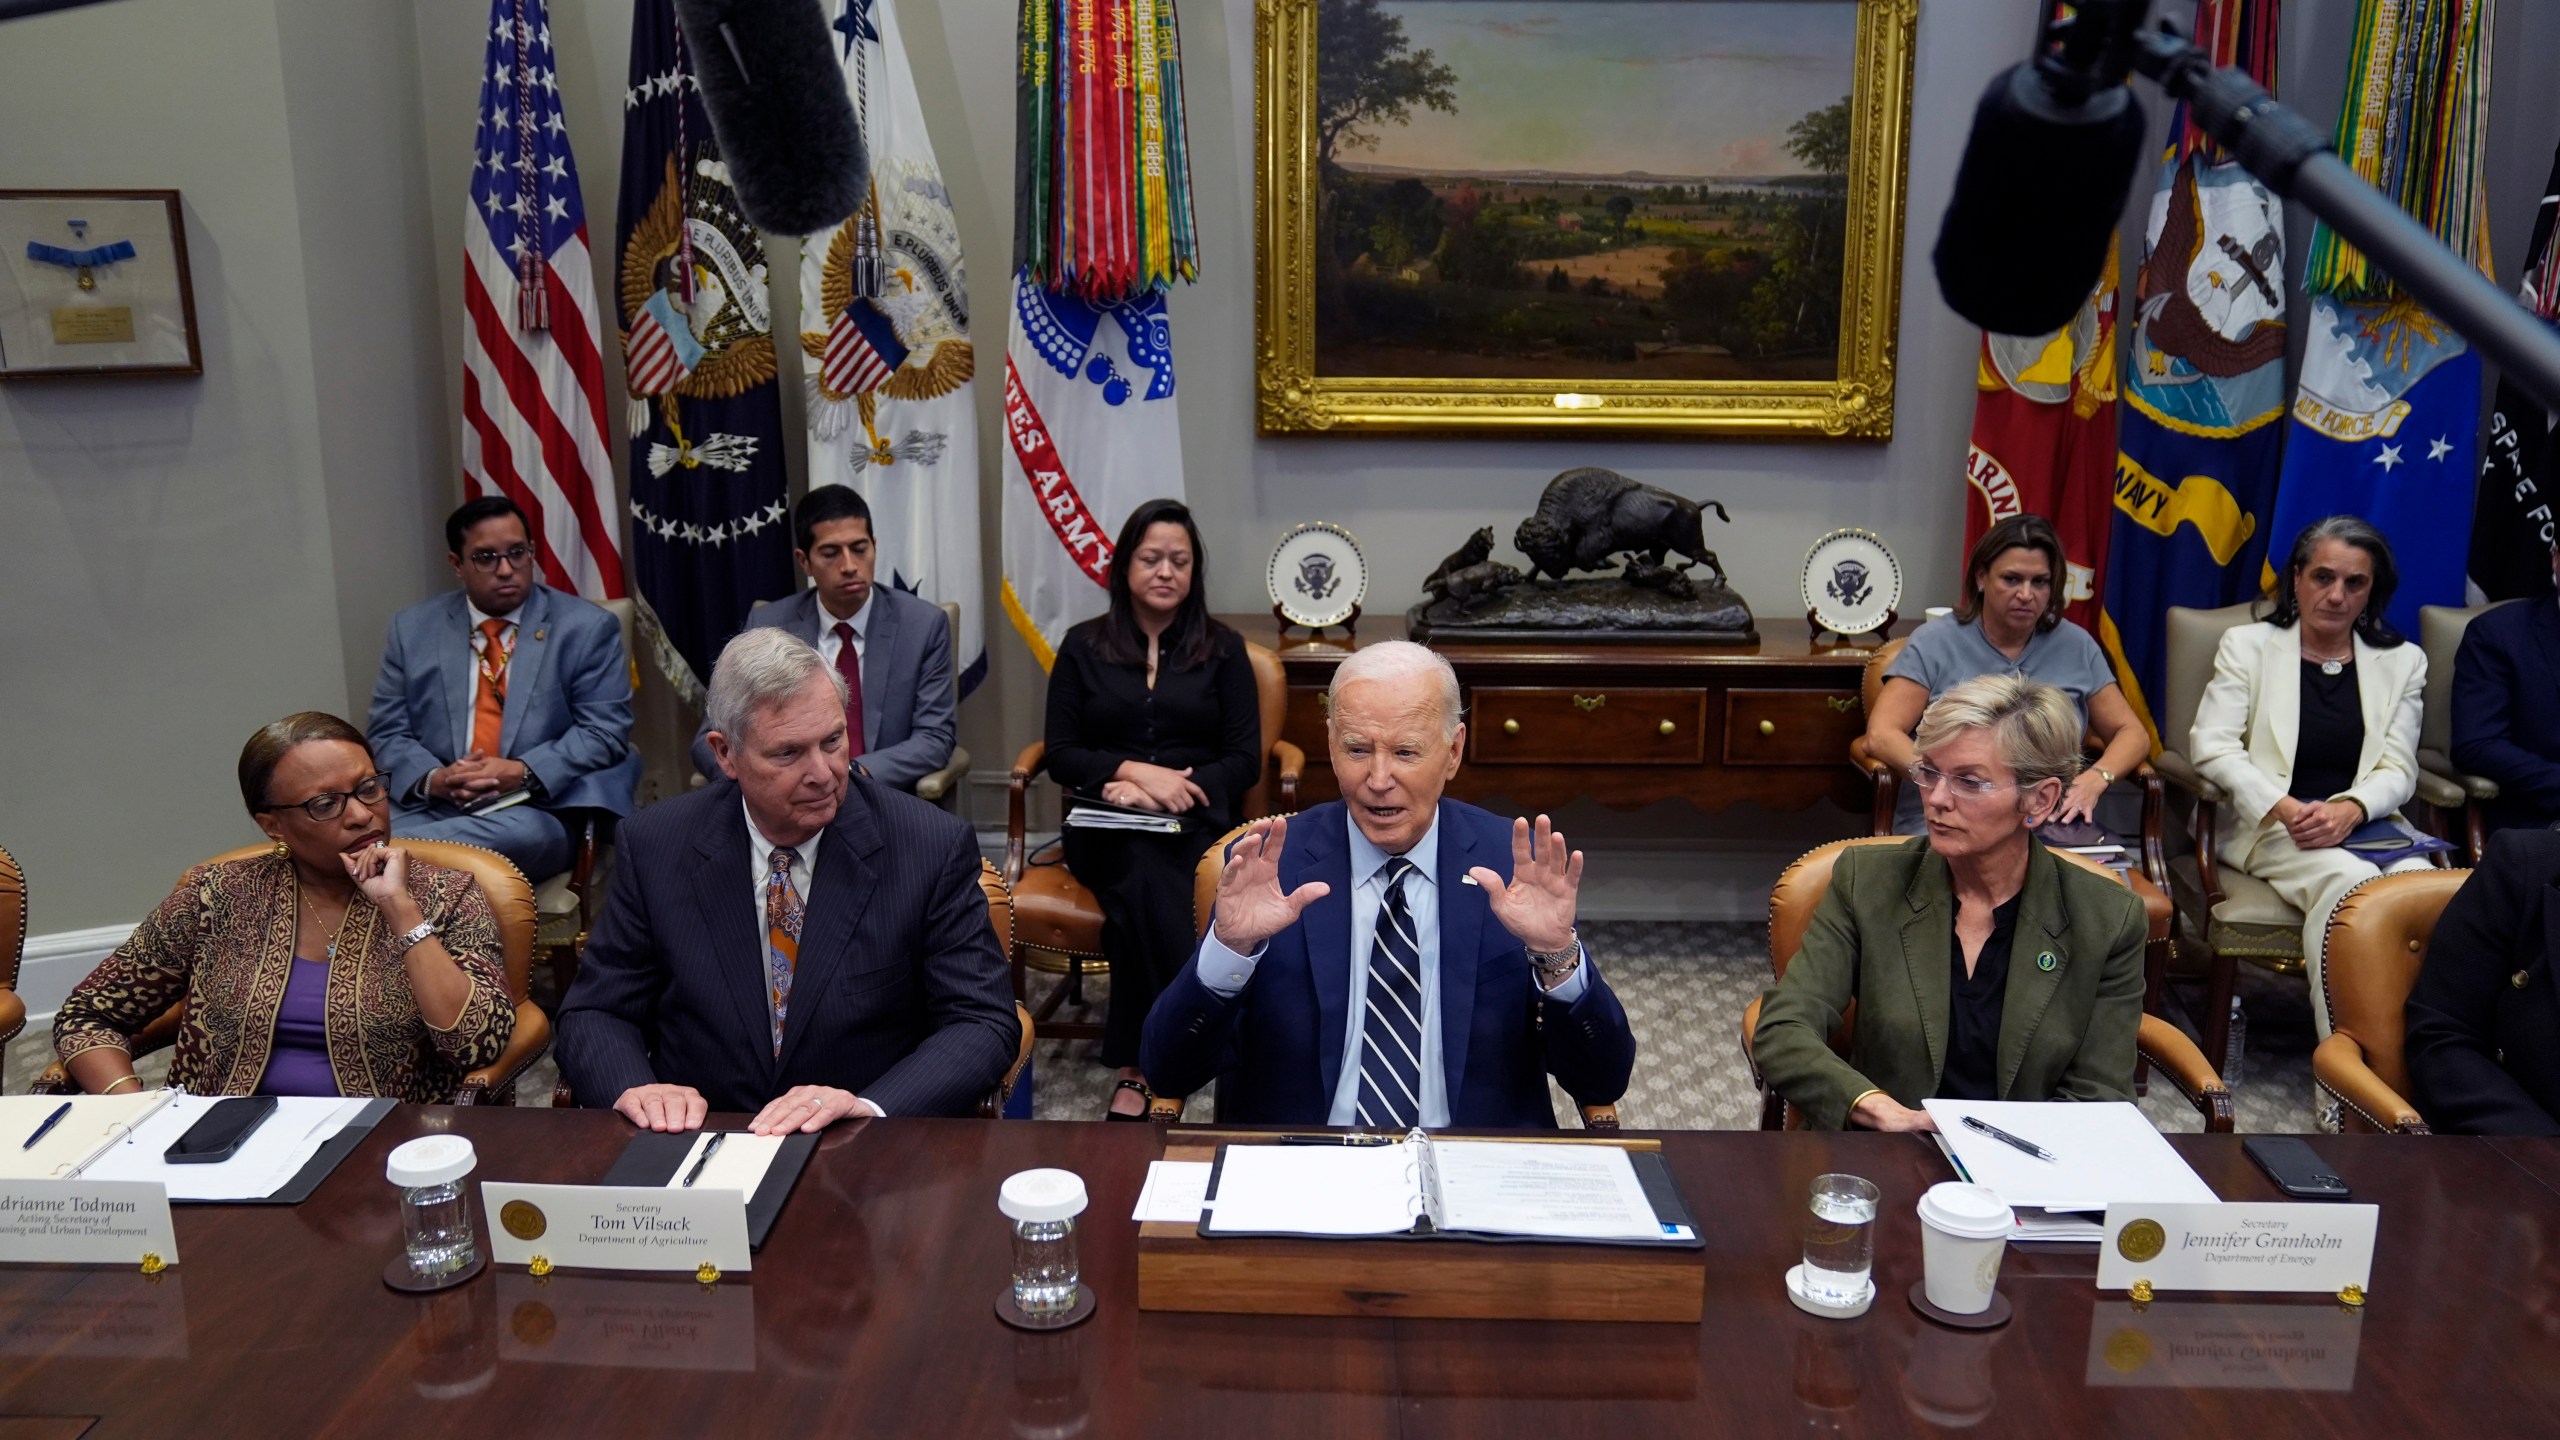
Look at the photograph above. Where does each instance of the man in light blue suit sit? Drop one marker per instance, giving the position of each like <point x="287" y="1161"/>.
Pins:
<point x="892" y="648"/>
<point x="1393" y="958"/>
<point x="503" y="688"/>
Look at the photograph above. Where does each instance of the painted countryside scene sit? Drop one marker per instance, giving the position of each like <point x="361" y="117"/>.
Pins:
<point x="1582" y="189"/>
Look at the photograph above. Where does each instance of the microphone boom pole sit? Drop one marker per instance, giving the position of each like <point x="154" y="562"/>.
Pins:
<point x="2296" y="161"/>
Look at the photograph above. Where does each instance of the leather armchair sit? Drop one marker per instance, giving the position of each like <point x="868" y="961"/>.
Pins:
<point x="942" y="787"/>
<point x="2163" y="1047"/>
<point x="2376" y="941"/>
<point x="511" y="905"/>
<point x="2440" y="631"/>
<point x="13" y="946"/>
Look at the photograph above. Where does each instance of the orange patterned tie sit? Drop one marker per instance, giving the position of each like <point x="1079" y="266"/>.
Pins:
<point x="489" y="710"/>
<point x="782" y="911"/>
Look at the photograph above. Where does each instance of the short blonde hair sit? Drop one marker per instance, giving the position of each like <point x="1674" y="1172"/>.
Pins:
<point x="2035" y="726"/>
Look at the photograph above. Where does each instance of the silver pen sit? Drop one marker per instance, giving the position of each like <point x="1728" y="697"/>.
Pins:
<point x="703" y="1159"/>
<point x="1982" y="1127"/>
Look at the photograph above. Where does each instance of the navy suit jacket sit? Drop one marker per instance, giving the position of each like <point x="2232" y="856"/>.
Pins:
<point x="2484" y="1050"/>
<point x="900" y="994"/>
<point x="2506" y="709"/>
<point x="1278" y="1043"/>
<point x="568" y="716"/>
<point x="908" y="700"/>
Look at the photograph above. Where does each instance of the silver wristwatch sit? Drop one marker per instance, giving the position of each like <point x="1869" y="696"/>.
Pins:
<point x="1553" y="965"/>
<point x="407" y="939"/>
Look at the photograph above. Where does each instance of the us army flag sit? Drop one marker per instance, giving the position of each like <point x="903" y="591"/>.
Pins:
<point x="884" y="312"/>
<point x="1090" y="431"/>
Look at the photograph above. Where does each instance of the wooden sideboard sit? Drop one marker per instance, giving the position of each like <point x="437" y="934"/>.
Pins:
<point x="1625" y="725"/>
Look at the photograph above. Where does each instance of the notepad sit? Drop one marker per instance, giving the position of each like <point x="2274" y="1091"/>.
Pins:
<point x="1461" y="1188"/>
<point x="2109" y="1154"/>
<point x="739" y="1164"/>
<point x="71" y="1146"/>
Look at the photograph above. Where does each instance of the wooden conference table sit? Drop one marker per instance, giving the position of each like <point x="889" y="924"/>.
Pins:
<point x="871" y="1313"/>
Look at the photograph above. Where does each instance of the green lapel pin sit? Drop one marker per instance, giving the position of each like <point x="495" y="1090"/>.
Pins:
<point x="2047" y="960"/>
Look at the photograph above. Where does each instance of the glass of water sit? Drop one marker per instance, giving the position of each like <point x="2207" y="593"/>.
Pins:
<point x="1840" y="1239"/>
<point x="1043" y="1206"/>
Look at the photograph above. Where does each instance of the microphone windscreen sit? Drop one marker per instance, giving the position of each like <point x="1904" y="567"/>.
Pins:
<point x="775" y="92"/>
<point x="2038" y="194"/>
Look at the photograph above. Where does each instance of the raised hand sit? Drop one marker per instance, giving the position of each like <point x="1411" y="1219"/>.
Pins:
<point x="1251" y="907"/>
<point x="1537" y="906"/>
<point x="382" y="873"/>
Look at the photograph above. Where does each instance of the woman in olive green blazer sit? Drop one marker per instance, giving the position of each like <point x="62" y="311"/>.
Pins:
<point x="1982" y="967"/>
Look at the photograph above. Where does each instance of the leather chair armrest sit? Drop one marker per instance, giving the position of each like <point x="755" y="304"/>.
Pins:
<point x="13" y="1015"/>
<point x="992" y="1108"/>
<point x="2172" y="1054"/>
<point x="1887" y="786"/>
<point x="1773" y="1106"/>
<point x="2438" y="791"/>
<point x="1165" y="1109"/>
<point x="1291" y="762"/>
<point x="2440" y="765"/>
<point x="2177" y="770"/>
<point x="932" y="788"/>
<point x="1599" y="1117"/>
<point x="53" y="1081"/>
<point x="1864" y="761"/>
<point x="2338" y="1064"/>
<point x="1017" y="794"/>
<point x="495" y="1083"/>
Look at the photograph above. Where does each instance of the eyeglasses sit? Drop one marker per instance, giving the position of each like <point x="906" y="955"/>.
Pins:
<point x="516" y="557"/>
<point x="1928" y="777"/>
<point x="325" y="806"/>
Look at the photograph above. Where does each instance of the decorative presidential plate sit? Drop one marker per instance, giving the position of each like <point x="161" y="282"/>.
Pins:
<point x="1851" y="583"/>
<point x="1317" y="576"/>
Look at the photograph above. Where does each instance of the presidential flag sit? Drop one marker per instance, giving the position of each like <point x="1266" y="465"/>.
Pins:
<point x="2198" y="442"/>
<point x="2386" y="420"/>
<point x="1103" y="194"/>
<point x="533" y="412"/>
<point x="710" y="527"/>
<point x="2511" y="523"/>
<point x="2044" y="439"/>
<point x="890" y="378"/>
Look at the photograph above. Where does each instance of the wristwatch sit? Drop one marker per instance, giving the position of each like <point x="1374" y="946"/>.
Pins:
<point x="2104" y="773"/>
<point x="407" y="939"/>
<point x="1554" y="965"/>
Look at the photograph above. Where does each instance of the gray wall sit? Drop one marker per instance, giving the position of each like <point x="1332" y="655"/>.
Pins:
<point x="189" y="559"/>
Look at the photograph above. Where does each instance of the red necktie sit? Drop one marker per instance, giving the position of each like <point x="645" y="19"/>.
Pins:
<point x="849" y="665"/>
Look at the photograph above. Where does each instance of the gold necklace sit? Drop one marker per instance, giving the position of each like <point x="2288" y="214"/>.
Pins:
<point x="343" y="917"/>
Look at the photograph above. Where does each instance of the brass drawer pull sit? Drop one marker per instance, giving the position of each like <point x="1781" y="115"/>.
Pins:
<point x="1668" y="727"/>
<point x="1589" y="703"/>
<point x="1768" y="727"/>
<point x="1510" y="727"/>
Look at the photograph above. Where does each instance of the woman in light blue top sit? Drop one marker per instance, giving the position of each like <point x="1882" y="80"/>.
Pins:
<point x="2010" y="624"/>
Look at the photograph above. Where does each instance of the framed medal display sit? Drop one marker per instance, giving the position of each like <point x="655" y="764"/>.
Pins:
<point x="94" y="282"/>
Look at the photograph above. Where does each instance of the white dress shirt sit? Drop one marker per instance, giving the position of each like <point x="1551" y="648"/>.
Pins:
<point x="480" y="641"/>
<point x="1226" y="973"/>
<point x="760" y="870"/>
<point x="829" y="644"/>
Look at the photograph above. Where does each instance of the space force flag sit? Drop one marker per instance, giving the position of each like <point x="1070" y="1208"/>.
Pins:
<point x="884" y="312"/>
<point x="2511" y="528"/>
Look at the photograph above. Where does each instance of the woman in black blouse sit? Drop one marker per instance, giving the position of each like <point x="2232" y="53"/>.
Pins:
<point x="1151" y="707"/>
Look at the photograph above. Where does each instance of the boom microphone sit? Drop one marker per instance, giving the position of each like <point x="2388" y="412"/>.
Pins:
<point x="2041" y="188"/>
<point x="775" y="93"/>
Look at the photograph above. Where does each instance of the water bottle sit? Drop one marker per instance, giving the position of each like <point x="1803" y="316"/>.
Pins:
<point x="2235" y="1050"/>
<point x="435" y="1214"/>
<point x="1043" y="1206"/>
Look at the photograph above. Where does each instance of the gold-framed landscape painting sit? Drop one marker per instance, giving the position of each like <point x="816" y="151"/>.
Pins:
<point x="1622" y="215"/>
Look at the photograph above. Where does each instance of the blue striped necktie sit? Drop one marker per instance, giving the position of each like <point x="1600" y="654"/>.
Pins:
<point x="1391" y="1031"/>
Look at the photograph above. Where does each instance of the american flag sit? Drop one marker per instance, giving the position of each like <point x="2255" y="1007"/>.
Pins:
<point x="532" y="370"/>
<point x="863" y="350"/>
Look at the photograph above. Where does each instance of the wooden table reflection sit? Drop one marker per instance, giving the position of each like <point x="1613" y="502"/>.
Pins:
<point x="871" y="1312"/>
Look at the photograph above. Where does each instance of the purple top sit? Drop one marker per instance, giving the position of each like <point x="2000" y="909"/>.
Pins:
<point x="300" y="1062"/>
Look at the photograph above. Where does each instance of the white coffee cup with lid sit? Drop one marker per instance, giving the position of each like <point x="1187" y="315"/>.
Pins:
<point x="1964" y="1230"/>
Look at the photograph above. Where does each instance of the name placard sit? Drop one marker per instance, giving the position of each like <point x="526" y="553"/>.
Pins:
<point x="616" y="1227"/>
<point x="85" y="1222"/>
<point x="2314" y="1248"/>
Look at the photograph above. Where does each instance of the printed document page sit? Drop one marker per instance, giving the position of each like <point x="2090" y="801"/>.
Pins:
<point x="2107" y="1154"/>
<point x="739" y="1164"/>
<point x="1568" y="1192"/>
<point x="1315" y="1190"/>
<point x="266" y="1162"/>
<point x="76" y="1140"/>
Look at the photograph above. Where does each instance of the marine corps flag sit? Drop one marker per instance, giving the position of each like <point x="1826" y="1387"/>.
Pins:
<point x="2044" y="439"/>
<point x="884" y="315"/>
<point x="2203" y="387"/>
<point x="2387" y="418"/>
<point x="710" y="525"/>
<point x="2511" y="528"/>
<point x="1103" y="224"/>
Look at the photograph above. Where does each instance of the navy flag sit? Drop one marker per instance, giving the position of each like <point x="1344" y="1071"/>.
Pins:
<point x="710" y="526"/>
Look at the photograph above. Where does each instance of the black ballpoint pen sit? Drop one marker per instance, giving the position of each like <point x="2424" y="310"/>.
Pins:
<point x="49" y="1122"/>
<point x="703" y="1159"/>
<point x="1982" y="1127"/>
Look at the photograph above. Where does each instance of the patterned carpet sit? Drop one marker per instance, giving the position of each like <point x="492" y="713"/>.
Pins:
<point x="1684" y="985"/>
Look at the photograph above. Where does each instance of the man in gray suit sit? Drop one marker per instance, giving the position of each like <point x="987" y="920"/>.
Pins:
<point x="892" y="648"/>
<point x="503" y="703"/>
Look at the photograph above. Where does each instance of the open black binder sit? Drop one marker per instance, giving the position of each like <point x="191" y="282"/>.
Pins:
<point x="652" y="1157"/>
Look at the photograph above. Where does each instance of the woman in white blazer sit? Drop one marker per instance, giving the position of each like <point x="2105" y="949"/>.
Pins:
<point x="2311" y="725"/>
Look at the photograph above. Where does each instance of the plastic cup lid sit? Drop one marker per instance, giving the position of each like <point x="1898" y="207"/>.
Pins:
<point x="1973" y="1211"/>
<point x="1042" y="1195"/>
<point x="431" y="1160"/>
